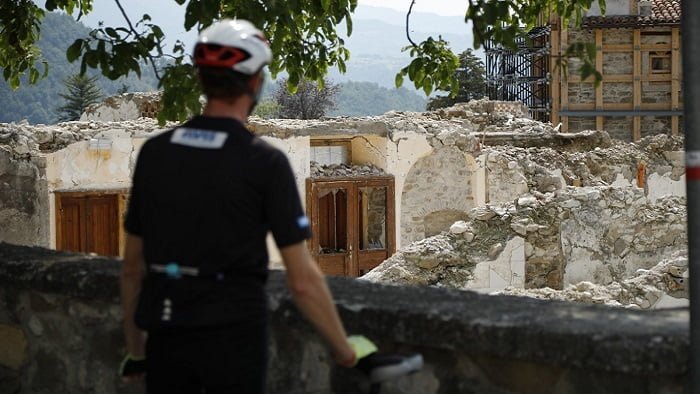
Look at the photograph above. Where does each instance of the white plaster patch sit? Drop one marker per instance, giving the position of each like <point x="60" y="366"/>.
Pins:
<point x="666" y="301"/>
<point x="582" y="267"/>
<point x="662" y="185"/>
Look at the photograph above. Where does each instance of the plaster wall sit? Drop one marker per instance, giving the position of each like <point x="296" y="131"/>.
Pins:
<point x="24" y="203"/>
<point x="370" y="149"/>
<point x="402" y="152"/>
<point x="507" y="270"/>
<point x="298" y="151"/>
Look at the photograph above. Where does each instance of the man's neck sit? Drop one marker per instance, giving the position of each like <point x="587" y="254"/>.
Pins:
<point x="236" y="109"/>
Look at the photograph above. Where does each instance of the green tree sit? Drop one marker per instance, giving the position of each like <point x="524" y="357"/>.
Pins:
<point x="82" y="92"/>
<point x="472" y="82"/>
<point x="311" y="100"/>
<point x="303" y="35"/>
<point x="266" y="109"/>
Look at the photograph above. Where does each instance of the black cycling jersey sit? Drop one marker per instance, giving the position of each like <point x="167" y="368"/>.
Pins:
<point x="205" y="195"/>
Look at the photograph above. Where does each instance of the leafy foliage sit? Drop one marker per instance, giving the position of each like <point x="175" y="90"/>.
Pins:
<point x="310" y="101"/>
<point x="37" y="102"/>
<point x="472" y="83"/>
<point x="82" y="93"/>
<point x="303" y="35"/>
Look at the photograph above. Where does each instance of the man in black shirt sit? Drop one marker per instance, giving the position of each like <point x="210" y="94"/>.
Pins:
<point x="204" y="196"/>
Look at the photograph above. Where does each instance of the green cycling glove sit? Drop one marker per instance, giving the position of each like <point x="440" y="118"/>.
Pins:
<point x="362" y="346"/>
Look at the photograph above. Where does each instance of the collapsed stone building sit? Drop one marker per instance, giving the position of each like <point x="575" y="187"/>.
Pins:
<point x="479" y="196"/>
<point x="476" y="196"/>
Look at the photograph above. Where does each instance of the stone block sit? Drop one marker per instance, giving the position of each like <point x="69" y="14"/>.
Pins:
<point x="13" y="347"/>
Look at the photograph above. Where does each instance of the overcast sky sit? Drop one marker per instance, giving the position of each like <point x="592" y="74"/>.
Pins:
<point x="169" y="16"/>
<point x="440" y="7"/>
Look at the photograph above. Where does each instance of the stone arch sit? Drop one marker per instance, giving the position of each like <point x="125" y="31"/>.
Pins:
<point x="438" y="182"/>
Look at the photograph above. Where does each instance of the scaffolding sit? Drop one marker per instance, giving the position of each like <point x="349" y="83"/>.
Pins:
<point x="522" y="74"/>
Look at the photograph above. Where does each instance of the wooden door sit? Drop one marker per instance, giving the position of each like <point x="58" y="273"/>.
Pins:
<point x="331" y="215"/>
<point x="352" y="222"/>
<point x="88" y="223"/>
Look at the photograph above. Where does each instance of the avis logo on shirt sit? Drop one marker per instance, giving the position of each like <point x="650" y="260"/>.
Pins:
<point x="198" y="138"/>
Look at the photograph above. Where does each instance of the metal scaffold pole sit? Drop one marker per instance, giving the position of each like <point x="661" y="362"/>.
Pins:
<point x="691" y="106"/>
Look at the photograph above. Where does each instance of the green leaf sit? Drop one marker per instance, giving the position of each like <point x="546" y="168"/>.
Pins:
<point x="398" y="81"/>
<point x="33" y="75"/>
<point x="427" y="86"/>
<point x="325" y="4"/>
<point x="111" y="32"/>
<point x="73" y="51"/>
<point x="157" y="31"/>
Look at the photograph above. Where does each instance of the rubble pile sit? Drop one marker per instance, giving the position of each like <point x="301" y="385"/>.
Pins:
<point x="126" y="106"/>
<point x="22" y="139"/>
<point x="344" y="170"/>
<point x="485" y="116"/>
<point x="547" y="169"/>
<point x="643" y="291"/>
<point x="600" y="234"/>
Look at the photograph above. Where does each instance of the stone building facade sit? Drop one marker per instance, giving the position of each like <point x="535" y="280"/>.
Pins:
<point x="638" y="52"/>
<point x="430" y="170"/>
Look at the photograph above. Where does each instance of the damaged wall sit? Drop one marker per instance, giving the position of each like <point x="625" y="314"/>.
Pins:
<point x="440" y="182"/>
<point x="444" y="162"/>
<point x="600" y="234"/>
<point x="24" y="204"/>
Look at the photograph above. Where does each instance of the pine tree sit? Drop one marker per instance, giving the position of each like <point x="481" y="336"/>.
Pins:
<point x="472" y="82"/>
<point x="82" y="92"/>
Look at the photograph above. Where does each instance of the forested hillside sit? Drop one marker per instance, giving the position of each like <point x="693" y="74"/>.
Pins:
<point x="368" y="98"/>
<point x="37" y="103"/>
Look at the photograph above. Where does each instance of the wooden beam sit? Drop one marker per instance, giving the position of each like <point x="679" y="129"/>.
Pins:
<point x="637" y="84"/>
<point x="675" y="77"/>
<point x="564" y="44"/>
<point x="630" y="47"/>
<point x="599" y="66"/>
<point x="555" y="85"/>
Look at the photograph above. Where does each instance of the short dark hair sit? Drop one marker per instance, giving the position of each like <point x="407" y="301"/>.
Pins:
<point x="222" y="83"/>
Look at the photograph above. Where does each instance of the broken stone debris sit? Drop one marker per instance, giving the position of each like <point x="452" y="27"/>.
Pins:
<point x="22" y="139"/>
<point x="643" y="291"/>
<point x="597" y="234"/>
<point x="344" y="170"/>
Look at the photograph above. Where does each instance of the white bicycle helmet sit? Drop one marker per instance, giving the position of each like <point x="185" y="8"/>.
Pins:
<point x="235" y="44"/>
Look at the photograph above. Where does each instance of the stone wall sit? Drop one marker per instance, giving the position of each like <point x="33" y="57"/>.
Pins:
<point x="618" y="63"/>
<point x="438" y="182"/>
<point x="617" y="85"/>
<point x="24" y="200"/>
<point x="60" y="332"/>
<point x="617" y="92"/>
<point x="619" y="128"/>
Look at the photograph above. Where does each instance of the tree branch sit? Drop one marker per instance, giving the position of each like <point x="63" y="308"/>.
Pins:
<point x="408" y="15"/>
<point x="138" y="37"/>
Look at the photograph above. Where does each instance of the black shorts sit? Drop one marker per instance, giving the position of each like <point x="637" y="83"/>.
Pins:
<point x="230" y="359"/>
